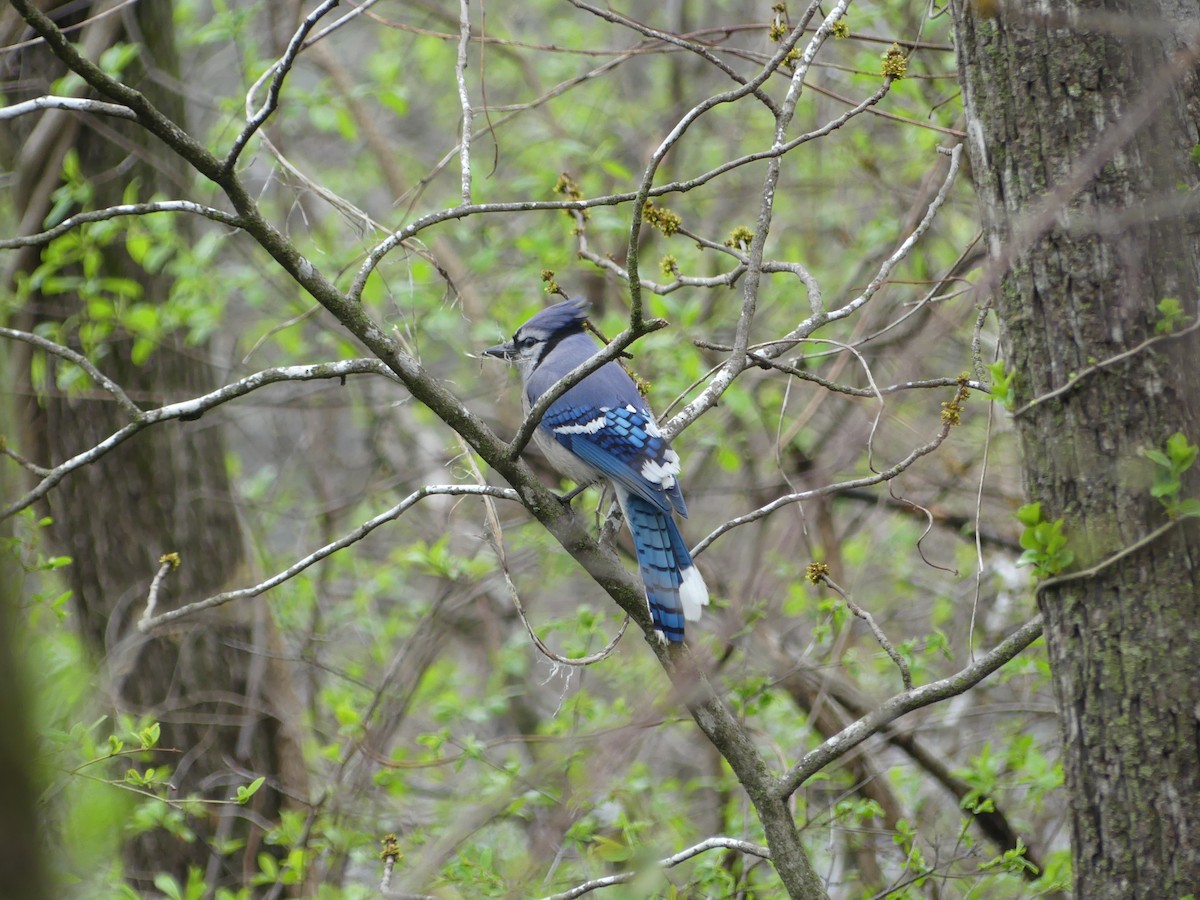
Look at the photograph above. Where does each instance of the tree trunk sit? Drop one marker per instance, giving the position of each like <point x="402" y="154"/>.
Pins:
<point x="22" y="869"/>
<point x="1100" y="102"/>
<point x="216" y="685"/>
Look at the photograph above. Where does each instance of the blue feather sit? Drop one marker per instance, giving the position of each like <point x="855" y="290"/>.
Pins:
<point x="655" y="540"/>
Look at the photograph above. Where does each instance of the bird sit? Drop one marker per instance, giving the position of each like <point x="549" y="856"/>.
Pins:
<point x="602" y="430"/>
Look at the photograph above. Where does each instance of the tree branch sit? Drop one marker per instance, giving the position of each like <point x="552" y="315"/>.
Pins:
<point x="74" y="104"/>
<point x="906" y="702"/>
<point x="192" y="409"/>
<point x="464" y="96"/>
<point x="786" y="499"/>
<point x="112" y="212"/>
<point x="711" y="843"/>
<point x="80" y="360"/>
<point x="149" y="622"/>
<point x="280" y="70"/>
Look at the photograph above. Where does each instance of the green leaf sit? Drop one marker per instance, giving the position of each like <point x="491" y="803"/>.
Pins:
<point x="1182" y="453"/>
<point x="245" y="792"/>
<point x="168" y="885"/>
<point x="1165" y="488"/>
<point x="1030" y="514"/>
<point x="611" y="851"/>
<point x="1029" y="558"/>
<point x="1157" y="457"/>
<point x="1188" y="508"/>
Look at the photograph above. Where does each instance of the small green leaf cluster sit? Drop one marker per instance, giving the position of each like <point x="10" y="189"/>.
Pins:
<point x="1171" y="316"/>
<point x="1044" y="542"/>
<point x="1177" y="456"/>
<point x="1002" y="384"/>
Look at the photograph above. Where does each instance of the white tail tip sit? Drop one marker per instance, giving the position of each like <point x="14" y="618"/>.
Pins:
<point x="693" y="593"/>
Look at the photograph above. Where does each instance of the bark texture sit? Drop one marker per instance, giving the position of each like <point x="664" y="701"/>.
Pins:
<point x="1100" y="102"/>
<point x="215" y="684"/>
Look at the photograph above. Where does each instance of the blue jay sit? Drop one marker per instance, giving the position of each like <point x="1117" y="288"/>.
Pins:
<point x="602" y="429"/>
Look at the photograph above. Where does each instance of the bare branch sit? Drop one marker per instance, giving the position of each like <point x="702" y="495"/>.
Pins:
<point x="712" y="843"/>
<point x="759" y="358"/>
<point x="464" y="96"/>
<point x="906" y="702"/>
<point x="908" y="243"/>
<point x="74" y="104"/>
<point x="280" y="70"/>
<point x="497" y="536"/>
<point x="905" y="675"/>
<point x="737" y="361"/>
<point x="149" y="623"/>
<point x="1099" y="567"/>
<point x="150" y="117"/>
<point x="1104" y="363"/>
<point x="27" y="465"/>
<point x="193" y="409"/>
<point x="590" y="659"/>
<point x="395" y="239"/>
<point x="666" y="37"/>
<point x="166" y="563"/>
<point x="787" y="499"/>
<point x="112" y="212"/>
<point x="80" y="360"/>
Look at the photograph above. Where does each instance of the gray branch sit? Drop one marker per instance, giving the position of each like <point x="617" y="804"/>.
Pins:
<point x="149" y="622"/>
<point x="280" y="69"/>
<point x="712" y="843"/>
<point x="906" y="702"/>
<point x="74" y="104"/>
<point x="193" y="409"/>
<point x="112" y="212"/>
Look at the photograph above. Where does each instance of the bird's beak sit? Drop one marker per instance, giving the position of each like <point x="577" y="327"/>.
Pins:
<point x="500" y="351"/>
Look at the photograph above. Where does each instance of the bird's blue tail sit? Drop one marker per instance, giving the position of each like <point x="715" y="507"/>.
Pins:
<point x="666" y="567"/>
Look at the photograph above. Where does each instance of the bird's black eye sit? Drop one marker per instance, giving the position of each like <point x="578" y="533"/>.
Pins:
<point x="525" y="341"/>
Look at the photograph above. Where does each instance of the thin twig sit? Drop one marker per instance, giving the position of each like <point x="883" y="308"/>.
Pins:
<point x="593" y="658"/>
<point x="280" y="70"/>
<point x="1099" y="567"/>
<point x="788" y="499"/>
<point x="674" y="136"/>
<point x="882" y="638"/>
<point x="149" y="623"/>
<point x="1104" y="363"/>
<point x="112" y="212"/>
<point x="726" y="375"/>
<point x="666" y="37"/>
<point x="497" y="536"/>
<point x="193" y="409"/>
<point x="396" y="238"/>
<point x="167" y="562"/>
<point x="723" y="843"/>
<point x="26" y="464"/>
<point x="80" y="360"/>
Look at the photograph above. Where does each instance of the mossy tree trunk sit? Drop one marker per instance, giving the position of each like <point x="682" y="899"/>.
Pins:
<point x="215" y="684"/>
<point x="1100" y="102"/>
